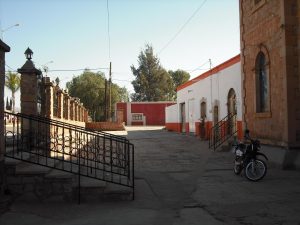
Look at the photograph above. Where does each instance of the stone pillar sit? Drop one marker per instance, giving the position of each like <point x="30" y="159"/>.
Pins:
<point x="81" y="112"/>
<point x="29" y="86"/>
<point x="60" y="105"/>
<point x="76" y="110"/>
<point x="72" y="108"/>
<point x="3" y="48"/>
<point x="67" y="106"/>
<point x="48" y="100"/>
<point x="86" y="116"/>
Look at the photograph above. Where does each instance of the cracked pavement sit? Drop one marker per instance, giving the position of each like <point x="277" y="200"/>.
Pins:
<point x="179" y="181"/>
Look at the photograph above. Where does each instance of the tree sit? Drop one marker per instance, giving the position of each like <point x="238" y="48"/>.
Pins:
<point x="152" y="82"/>
<point x="90" y="88"/>
<point x="12" y="82"/>
<point x="8" y="106"/>
<point x="179" y="77"/>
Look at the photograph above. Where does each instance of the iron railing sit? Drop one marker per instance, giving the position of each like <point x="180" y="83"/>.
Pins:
<point x="222" y="131"/>
<point x="70" y="148"/>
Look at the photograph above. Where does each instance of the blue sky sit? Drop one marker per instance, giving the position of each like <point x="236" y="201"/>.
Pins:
<point x="74" y="34"/>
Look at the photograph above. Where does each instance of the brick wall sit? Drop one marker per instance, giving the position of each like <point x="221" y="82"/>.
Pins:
<point x="104" y="126"/>
<point x="271" y="27"/>
<point x="69" y="109"/>
<point x="3" y="48"/>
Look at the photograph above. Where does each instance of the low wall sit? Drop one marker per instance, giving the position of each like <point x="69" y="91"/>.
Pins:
<point x="104" y="126"/>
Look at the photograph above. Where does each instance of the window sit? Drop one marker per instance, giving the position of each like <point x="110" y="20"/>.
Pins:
<point x="137" y="117"/>
<point x="203" y="110"/>
<point x="262" y="84"/>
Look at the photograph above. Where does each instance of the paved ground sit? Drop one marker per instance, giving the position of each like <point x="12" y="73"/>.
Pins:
<point x="179" y="181"/>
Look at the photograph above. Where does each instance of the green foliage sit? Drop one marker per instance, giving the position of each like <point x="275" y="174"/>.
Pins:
<point x="90" y="88"/>
<point x="12" y="82"/>
<point x="152" y="82"/>
<point x="179" y="77"/>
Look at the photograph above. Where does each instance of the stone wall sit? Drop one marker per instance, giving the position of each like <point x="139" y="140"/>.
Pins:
<point x="3" y="48"/>
<point x="59" y="105"/>
<point x="271" y="27"/>
<point x="104" y="126"/>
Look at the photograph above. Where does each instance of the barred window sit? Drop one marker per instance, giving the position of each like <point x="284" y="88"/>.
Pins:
<point x="262" y="84"/>
<point x="137" y="117"/>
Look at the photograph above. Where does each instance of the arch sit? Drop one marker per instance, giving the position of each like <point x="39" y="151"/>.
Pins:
<point x="232" y="110"/>
<point x="231" y="102"/>
<point x="203" y="111"/>
<point x="216" y="114"/>
<point x="262" y="81"/>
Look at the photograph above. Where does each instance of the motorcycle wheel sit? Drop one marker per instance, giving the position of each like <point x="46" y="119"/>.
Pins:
<point x="255" y="170"/>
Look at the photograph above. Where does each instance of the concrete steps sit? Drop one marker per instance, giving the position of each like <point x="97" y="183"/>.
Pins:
<point x="32" y="182"/>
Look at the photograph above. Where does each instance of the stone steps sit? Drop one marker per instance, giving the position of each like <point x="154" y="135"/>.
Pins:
<point x="26" y="181"/>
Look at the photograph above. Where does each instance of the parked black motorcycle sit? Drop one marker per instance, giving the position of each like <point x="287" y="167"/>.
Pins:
<point x="246" y="158"/>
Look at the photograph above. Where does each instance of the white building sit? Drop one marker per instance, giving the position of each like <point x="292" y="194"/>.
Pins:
<point x="206" y="99"/>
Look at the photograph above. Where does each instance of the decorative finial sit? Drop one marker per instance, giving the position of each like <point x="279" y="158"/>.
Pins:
<point x="28" y="53"/>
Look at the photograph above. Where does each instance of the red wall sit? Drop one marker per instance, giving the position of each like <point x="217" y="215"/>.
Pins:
<point x="154" y="112"/>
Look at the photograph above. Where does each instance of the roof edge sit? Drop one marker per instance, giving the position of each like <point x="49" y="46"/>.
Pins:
<point x="212" y="71"/>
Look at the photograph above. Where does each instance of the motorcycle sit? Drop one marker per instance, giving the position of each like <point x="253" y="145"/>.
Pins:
<point x="247" y="159"/>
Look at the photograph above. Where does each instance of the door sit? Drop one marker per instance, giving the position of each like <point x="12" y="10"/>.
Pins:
<point x="231" y="108"/>
<point x="191" y="116"/>
<point x="182" y="117"/>
<point x="216" y="120"/>
<point x="202" y="120"/>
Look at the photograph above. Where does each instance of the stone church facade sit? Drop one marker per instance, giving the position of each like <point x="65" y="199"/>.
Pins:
<point x="270" y="49"/>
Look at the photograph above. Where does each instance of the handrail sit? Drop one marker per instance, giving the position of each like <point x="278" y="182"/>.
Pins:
<point x="222" y="131"/>
<point x="40" y="118"/>
<point x="70" y="148"/>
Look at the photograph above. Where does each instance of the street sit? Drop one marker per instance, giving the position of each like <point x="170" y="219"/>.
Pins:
<point x="179" y="181"/>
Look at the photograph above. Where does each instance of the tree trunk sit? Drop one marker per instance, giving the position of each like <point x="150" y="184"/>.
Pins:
<point x="13" y="101"/>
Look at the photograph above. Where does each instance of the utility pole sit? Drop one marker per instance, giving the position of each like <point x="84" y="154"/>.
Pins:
<point x="211" y="100"/>
<point x="105" y="100"/>
<point x="109" y="104"/>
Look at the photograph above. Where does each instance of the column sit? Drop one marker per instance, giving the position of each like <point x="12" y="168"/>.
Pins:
<point x="48" y="103"/>
<point x="3" y="48"/>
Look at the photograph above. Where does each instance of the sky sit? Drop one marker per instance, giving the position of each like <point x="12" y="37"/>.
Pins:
<point x="70" y="35"/>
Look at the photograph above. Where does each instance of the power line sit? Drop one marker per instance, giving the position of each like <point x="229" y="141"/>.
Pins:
<point x="122" y="80"/>
<point x="13" y="70"/>
<point x="181" y="29"/>
<point x="108" y="29"/>
<point x="70" y="70"/>
<point x="199" y="67"/>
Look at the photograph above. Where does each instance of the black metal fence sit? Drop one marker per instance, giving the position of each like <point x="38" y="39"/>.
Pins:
<point x="70" y="148"/>
<point x="222" y="131"/>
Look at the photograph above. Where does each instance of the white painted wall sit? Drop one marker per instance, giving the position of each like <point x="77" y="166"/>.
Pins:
<point x="172" y="114"/>
<point x="214" y="89"/>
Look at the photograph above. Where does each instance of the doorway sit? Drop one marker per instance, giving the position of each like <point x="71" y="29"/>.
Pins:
<point x="202" y="120"/>
<point x="191" y="116"/>
<point x="182" y="117"/>
<point x="232" y="110"/>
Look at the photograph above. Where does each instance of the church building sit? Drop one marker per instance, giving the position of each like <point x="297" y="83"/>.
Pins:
<point x="270" y="49"/>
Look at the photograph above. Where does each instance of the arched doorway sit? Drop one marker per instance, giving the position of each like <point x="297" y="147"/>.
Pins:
<point x="182" y="117"/>
<point x="216" y="114"/>
<point x="216" y="120"/>
<point x="231" y="108"/>
<point x="202" y="120"/>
